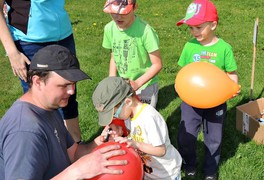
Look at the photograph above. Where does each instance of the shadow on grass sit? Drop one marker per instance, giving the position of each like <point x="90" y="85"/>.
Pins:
<point x="231" y="136"/>
<point x="166" y="95"/>
<point x="76" y="22"/>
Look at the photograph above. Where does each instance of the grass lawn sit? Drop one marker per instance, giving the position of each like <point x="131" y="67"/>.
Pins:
<point x="241" y="158"/>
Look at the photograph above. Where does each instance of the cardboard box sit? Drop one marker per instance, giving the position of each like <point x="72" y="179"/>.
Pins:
<point x="250" y="120"/>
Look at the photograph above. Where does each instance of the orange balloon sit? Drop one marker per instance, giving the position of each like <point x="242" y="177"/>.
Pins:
<point x="132" y="171"/>
<point x="204" y="85"/>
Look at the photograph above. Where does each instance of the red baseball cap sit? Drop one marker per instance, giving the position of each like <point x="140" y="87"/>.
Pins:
<point x="119" y="6"/>
<point x="199" y="12"/>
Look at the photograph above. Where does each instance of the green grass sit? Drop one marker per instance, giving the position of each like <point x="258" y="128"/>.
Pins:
<point x="241" y="158"/>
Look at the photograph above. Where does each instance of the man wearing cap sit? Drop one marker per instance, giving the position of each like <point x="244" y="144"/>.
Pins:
<point x="202" y="19"/>
<point x="34" y="143"/>
<point x="30" y="26"/>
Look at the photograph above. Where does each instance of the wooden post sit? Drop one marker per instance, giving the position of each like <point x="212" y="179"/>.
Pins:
<point x="255" y="37"/>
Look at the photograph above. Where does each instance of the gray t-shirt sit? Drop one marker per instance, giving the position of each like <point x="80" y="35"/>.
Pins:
<point x="33" y="143"/>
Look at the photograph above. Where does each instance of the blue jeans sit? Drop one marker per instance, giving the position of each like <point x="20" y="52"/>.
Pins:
<point x="29" y="49"/>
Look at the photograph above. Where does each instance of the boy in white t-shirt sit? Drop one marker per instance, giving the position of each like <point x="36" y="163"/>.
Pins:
<point x="148" y="130"/>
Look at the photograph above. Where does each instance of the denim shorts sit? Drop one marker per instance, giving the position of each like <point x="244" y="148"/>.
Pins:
<point x="29" y="49"/>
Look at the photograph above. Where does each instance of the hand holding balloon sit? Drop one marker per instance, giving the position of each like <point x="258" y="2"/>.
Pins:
<point x="128" y="141"/>
<point x="204" y="85"/>
<point x="133" y="170"/>
<point x="234" y="77"/>
<point x="101" y="161"/>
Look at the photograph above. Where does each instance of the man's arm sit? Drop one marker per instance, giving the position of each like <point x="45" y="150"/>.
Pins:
<point x="76" y="151"/>
<point x="93" y="164"/>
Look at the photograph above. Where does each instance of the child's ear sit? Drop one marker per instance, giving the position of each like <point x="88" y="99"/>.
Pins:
<point x="128" y="101"/>
<point x="213" y="25"/>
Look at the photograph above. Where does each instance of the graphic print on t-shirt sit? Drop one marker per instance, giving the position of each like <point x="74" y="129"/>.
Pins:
<point x="205" y="56"/>
<point x="136" y="135"/>
<point x="125" y="51"/>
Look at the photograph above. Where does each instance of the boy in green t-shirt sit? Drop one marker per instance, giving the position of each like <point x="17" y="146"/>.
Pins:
<point x="134" y="46"/>
<point x="202" y="19"/>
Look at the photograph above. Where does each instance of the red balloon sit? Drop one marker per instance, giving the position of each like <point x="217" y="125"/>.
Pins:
<point x="132" y="171"/>
<point x="204" y="85"/>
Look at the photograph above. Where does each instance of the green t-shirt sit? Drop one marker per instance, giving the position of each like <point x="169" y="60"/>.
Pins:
<point x="219" y="54"/>
<point x="131" y="48"/>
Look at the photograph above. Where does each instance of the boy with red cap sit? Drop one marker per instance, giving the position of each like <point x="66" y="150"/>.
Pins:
<point x="202" y="19"/>
<point x="134" y="47"/>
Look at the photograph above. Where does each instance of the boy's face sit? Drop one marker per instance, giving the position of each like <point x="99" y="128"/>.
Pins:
<point x="124" y="21"/>
<point x="204" y="33"/>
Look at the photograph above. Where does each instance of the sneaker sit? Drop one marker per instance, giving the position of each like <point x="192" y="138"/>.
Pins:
<point x="190" y="174"/>
<point x="211" y="177"/>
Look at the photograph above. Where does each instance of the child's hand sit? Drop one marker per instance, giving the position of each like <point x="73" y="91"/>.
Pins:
<point x="109" y="133"/>
<point x="130" y="142"/>
<point x="238" y="92"/>
<point x="104" y="136"/>
<point x="134" y="85"/>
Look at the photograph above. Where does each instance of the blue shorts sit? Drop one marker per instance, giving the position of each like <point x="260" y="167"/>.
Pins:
<point x="29" y="49"/>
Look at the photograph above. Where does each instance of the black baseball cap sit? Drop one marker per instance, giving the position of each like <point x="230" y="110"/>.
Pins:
<point x="60" y="60"/>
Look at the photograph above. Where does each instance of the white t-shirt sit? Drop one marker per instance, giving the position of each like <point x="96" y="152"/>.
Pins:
<point x="148" y="126"/>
